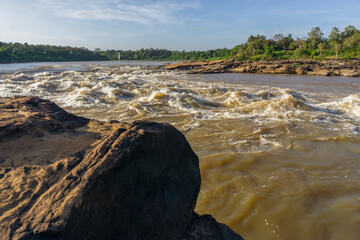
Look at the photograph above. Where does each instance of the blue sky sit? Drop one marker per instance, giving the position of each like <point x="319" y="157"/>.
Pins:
<point x="171" y="24"/>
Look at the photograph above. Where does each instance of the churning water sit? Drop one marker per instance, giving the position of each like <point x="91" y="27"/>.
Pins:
<point x="279" y="155"/>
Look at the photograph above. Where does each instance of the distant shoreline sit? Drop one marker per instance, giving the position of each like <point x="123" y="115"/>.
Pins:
<point x="72" y="61"/>
<point x="329" y="67"/>
<point x="338" y="44"/>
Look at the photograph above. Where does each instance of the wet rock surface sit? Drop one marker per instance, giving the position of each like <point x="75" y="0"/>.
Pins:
<point x="206" y="227"/>
<point x="346" y="68"/>
<point x="116" y="181"/>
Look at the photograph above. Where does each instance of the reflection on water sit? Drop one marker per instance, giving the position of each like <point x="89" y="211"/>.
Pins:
<point x="279" y="155"/>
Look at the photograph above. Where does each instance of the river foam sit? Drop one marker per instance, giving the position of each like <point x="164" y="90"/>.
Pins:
<point x="276" y="159"/>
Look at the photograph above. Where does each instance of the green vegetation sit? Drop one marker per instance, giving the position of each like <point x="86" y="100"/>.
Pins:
<point x="17" y="52"/>
<point x="164" y="54"/>
<point x="338" y="44"/>
<point x="345" y="45"/>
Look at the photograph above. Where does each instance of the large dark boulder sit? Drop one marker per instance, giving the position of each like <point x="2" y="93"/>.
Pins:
<point x="138" y="181"/>
<point x="206" y="227"/>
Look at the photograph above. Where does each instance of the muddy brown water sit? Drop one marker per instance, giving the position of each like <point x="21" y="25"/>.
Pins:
<point x="279" y="155"/>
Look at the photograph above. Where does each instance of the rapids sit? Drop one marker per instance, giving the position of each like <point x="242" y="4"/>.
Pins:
<point x="279" y="155"/>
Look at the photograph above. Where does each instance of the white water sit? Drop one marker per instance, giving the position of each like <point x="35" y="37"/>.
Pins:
<point x="279" y="155"/>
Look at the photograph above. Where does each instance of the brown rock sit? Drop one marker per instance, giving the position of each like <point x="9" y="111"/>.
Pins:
<point x="245" y="69"/>
<point x="301" y="71"/>
<point x="128" y="181"/>
<point x="309" y="67"/>
<point x="32" y="115"/>
<point x="31" y="130"/>
<point x="287" y="69"/>
<point x="319" y="72"/>
<point x="350" y="73"/>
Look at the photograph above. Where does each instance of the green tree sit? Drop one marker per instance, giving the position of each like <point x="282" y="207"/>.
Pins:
<point x="278" y="37"/>
<point x="255" y="43"/>
<point x="353" y="41"/>
<point x="321" y="47"/>
<point x="315" y="37"/>
<point x="349" y="31"/>
<point x="283" y="43"/>
<point x="300" y="43"/>
<point x="334" y="40"/>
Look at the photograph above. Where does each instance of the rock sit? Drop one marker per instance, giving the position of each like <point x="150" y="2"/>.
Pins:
<point x="206" y="227"/>
<point x="301" y="67"/>
<point x="319" y="72"/>
<point x="29" y="115"/>
<point x="301" y="71"/>
<point x="350" y="73"/>
<point x="128" y="181"/>
<point x="287" y="69"/>
<point x="221" y="66"/>
<point x="244" y="69"/>
<point x="31" y="130"/>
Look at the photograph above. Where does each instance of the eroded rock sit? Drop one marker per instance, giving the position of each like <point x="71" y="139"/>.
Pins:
<point x="347" y="68"/>
<point x="32" y="115"/>
<point x="130" y="181"/>
<point x="35" y="131"/>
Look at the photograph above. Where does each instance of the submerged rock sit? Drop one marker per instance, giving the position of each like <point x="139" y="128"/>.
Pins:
<point x="126" y="181"/>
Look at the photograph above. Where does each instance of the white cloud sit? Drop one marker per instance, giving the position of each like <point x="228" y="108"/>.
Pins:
<point x="118" y="10"/>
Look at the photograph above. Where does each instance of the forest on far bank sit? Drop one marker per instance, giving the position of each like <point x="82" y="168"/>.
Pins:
<point x="23" y="52"/>
<point x="339" y="44"/>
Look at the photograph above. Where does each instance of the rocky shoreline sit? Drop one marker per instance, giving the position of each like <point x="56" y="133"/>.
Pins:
<point x="68" y="177"/>
<point x="346" y="68"/>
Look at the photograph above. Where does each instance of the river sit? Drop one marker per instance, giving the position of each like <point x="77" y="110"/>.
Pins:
<point x="279" y="155"/>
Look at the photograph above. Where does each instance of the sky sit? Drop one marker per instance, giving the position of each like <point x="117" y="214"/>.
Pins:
<point x="170" y="24"/>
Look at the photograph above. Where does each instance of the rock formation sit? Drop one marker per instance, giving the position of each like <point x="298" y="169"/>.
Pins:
<point x="344" y="68"/>
<point x="67" y="177"/>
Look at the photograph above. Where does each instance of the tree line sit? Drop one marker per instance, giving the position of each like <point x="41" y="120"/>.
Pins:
<point x="18" y="52"/>
<point x="339" y="44"/>
<point x="165" y="55"/>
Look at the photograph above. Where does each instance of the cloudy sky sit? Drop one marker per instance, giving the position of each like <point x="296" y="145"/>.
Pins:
<point x="171" y="24"/>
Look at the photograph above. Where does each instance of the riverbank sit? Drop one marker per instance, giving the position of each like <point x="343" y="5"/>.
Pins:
<point x="346" y="68"/>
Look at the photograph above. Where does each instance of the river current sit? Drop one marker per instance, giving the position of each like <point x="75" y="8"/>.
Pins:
<point x="279" y="155"/>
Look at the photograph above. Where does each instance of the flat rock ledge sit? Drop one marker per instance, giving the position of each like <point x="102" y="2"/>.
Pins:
<point x="67" y="177"/>
<point x="334" y="67"/>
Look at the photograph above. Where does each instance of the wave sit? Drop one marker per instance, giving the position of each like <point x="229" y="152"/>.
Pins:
<point x="134" y="91"/>
<point x="348" y="105"/>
